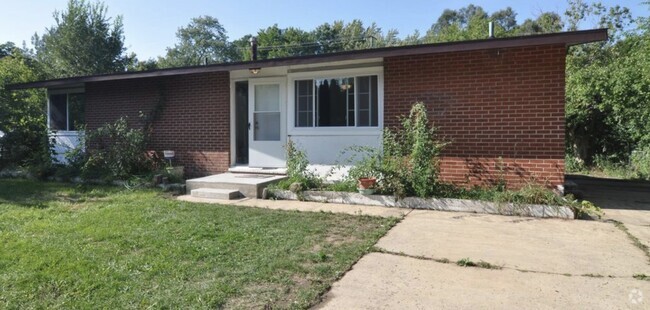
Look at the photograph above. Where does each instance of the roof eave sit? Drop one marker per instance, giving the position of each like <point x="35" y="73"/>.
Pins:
<point x="565" y="38"/>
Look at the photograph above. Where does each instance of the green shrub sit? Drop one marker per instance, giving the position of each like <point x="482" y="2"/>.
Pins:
<point x="297" y="168"/>
<point x="573" y="163"/>
<point x="347" y="185"/>
<point x="640" y="163"/>
<point x="115" y="151"/>
<point x="584" y="208"/>
<point x="408" y="164"/>
<point x="366" y="162"/>
<point x="411" y="155"/>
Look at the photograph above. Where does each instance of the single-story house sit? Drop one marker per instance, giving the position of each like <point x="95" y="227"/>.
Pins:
<point x="499" y="101"/>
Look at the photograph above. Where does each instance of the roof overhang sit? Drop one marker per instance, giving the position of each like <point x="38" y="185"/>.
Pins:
<point x="564" y="38"/>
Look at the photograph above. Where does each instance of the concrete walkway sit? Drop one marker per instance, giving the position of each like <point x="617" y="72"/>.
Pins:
<point x="305" y="206"/>
<point x="546" y="264"/>
<point x="540" y="263"/>
<point x="385" y="281"/>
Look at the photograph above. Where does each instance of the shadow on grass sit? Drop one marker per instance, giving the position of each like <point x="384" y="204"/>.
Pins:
<point x="39" y="194"/>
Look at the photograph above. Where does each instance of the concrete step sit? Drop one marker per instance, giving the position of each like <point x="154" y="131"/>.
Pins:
<point x="249" y="185"/>
<point x="216" y="193"/>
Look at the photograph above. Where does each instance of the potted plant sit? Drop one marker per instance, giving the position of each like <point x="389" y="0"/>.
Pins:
<point x="365" y="169"/>
<point x="366" y="185"/>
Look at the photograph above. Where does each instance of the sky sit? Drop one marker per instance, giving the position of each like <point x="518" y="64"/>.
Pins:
<point x="150" y="25"/>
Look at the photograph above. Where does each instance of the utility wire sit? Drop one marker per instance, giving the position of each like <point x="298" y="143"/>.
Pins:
<point x="305" y="44"/>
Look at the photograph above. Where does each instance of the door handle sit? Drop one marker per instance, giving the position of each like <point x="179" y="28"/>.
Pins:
<point x="249" y="126"/>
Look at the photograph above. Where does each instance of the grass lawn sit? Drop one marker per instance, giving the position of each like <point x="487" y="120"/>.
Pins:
<point x="67" y="246"/>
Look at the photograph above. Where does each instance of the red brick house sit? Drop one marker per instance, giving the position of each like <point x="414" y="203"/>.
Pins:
<point x="499" y="101"/>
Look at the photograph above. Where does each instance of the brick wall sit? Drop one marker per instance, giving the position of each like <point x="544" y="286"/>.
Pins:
<point x="502" y="110"/>
<point x="194" y="120"/>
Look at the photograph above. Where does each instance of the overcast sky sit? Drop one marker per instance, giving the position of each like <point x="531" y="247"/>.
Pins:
<point x="150" y="26"/>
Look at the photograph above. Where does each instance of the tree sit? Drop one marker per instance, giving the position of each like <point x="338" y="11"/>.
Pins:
<point x="142" y="65"/>
<point x="607" y="87"/>
<point x="506" y="18"/>
<point x="467" y="23"/>
<point x="547" y="22"/>
<point x="275" y="42"/>
<point x="22" y="113"/>
<point x="84" y="41"/>
<point x="203" y="40"/>
<point x="6" y="49"/>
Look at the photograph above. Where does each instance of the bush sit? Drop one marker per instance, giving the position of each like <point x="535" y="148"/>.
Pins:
<point x="297" y="171"/>
<point x="114" y="151"/>
<point x="640" y="163"/>
<point x="411" y="155"/>
<point x="572" y="163"/>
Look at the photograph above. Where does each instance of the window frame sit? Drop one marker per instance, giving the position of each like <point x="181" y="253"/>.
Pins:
<point x="335" y="74"/>
<point x="67" y="92"/>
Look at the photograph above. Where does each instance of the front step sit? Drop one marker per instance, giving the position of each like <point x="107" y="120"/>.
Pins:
<point x="249" y="185"/>
<point x="216" y="193"/>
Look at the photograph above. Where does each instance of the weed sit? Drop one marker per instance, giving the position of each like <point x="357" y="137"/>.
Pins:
<point x="466" y="262"/>
<point x="633" y="238"/>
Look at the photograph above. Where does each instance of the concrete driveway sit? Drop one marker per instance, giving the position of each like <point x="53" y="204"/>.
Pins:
<point x="627" y="202"/>
<point x="527" y="263"/>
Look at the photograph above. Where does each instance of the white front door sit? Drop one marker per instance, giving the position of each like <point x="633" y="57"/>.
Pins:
<point x="267" y="101"/>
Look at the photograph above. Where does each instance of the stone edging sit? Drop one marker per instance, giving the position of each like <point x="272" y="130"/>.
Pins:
<point x="441" y="204"/>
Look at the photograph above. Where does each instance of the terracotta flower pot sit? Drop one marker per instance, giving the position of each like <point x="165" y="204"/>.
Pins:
<point x="366" y="183"/>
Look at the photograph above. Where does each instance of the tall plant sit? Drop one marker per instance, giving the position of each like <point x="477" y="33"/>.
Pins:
<point x="410" y="164"/>
<point x="297" y="167"/>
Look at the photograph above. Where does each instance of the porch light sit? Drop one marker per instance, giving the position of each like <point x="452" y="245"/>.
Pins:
<point x="255" y="71"/>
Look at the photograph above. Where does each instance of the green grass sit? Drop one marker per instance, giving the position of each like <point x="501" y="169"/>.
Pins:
<point x="63" y="246"/>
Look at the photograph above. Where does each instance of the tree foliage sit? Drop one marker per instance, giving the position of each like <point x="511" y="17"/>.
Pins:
<point x="83" y="41"/>
<point x="608" y="87"/>
<point x="22" y="113"/>
<point x="203" y="40"/>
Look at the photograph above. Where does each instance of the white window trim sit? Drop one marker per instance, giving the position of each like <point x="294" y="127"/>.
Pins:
<point x="67" y="92"/>
<point x="292" y="130"/>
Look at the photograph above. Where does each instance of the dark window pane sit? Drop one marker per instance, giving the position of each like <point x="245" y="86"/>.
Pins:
<point x="351" y="107"/>
<point x="364" y="84"/>
<point x="58" y="112"/>
<point x="364" y="102"/>
<point x="374" y="102"/>
<point x="304" y="103"/>
<point x="77" y="105"/>
<point x="351" y="118"/>
<point x="332" y="102"/>
<point x="367" y="102"/>
<point x="241" y="122"/>
<point x="306" y="118"/>
<point x="364" y="119"/>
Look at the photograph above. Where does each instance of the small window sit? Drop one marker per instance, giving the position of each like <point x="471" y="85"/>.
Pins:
<point x="59" y="112"/>
<point x="67" y="111"/>
<point x="337" y="102"/>
<point x="76" y="111"/>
